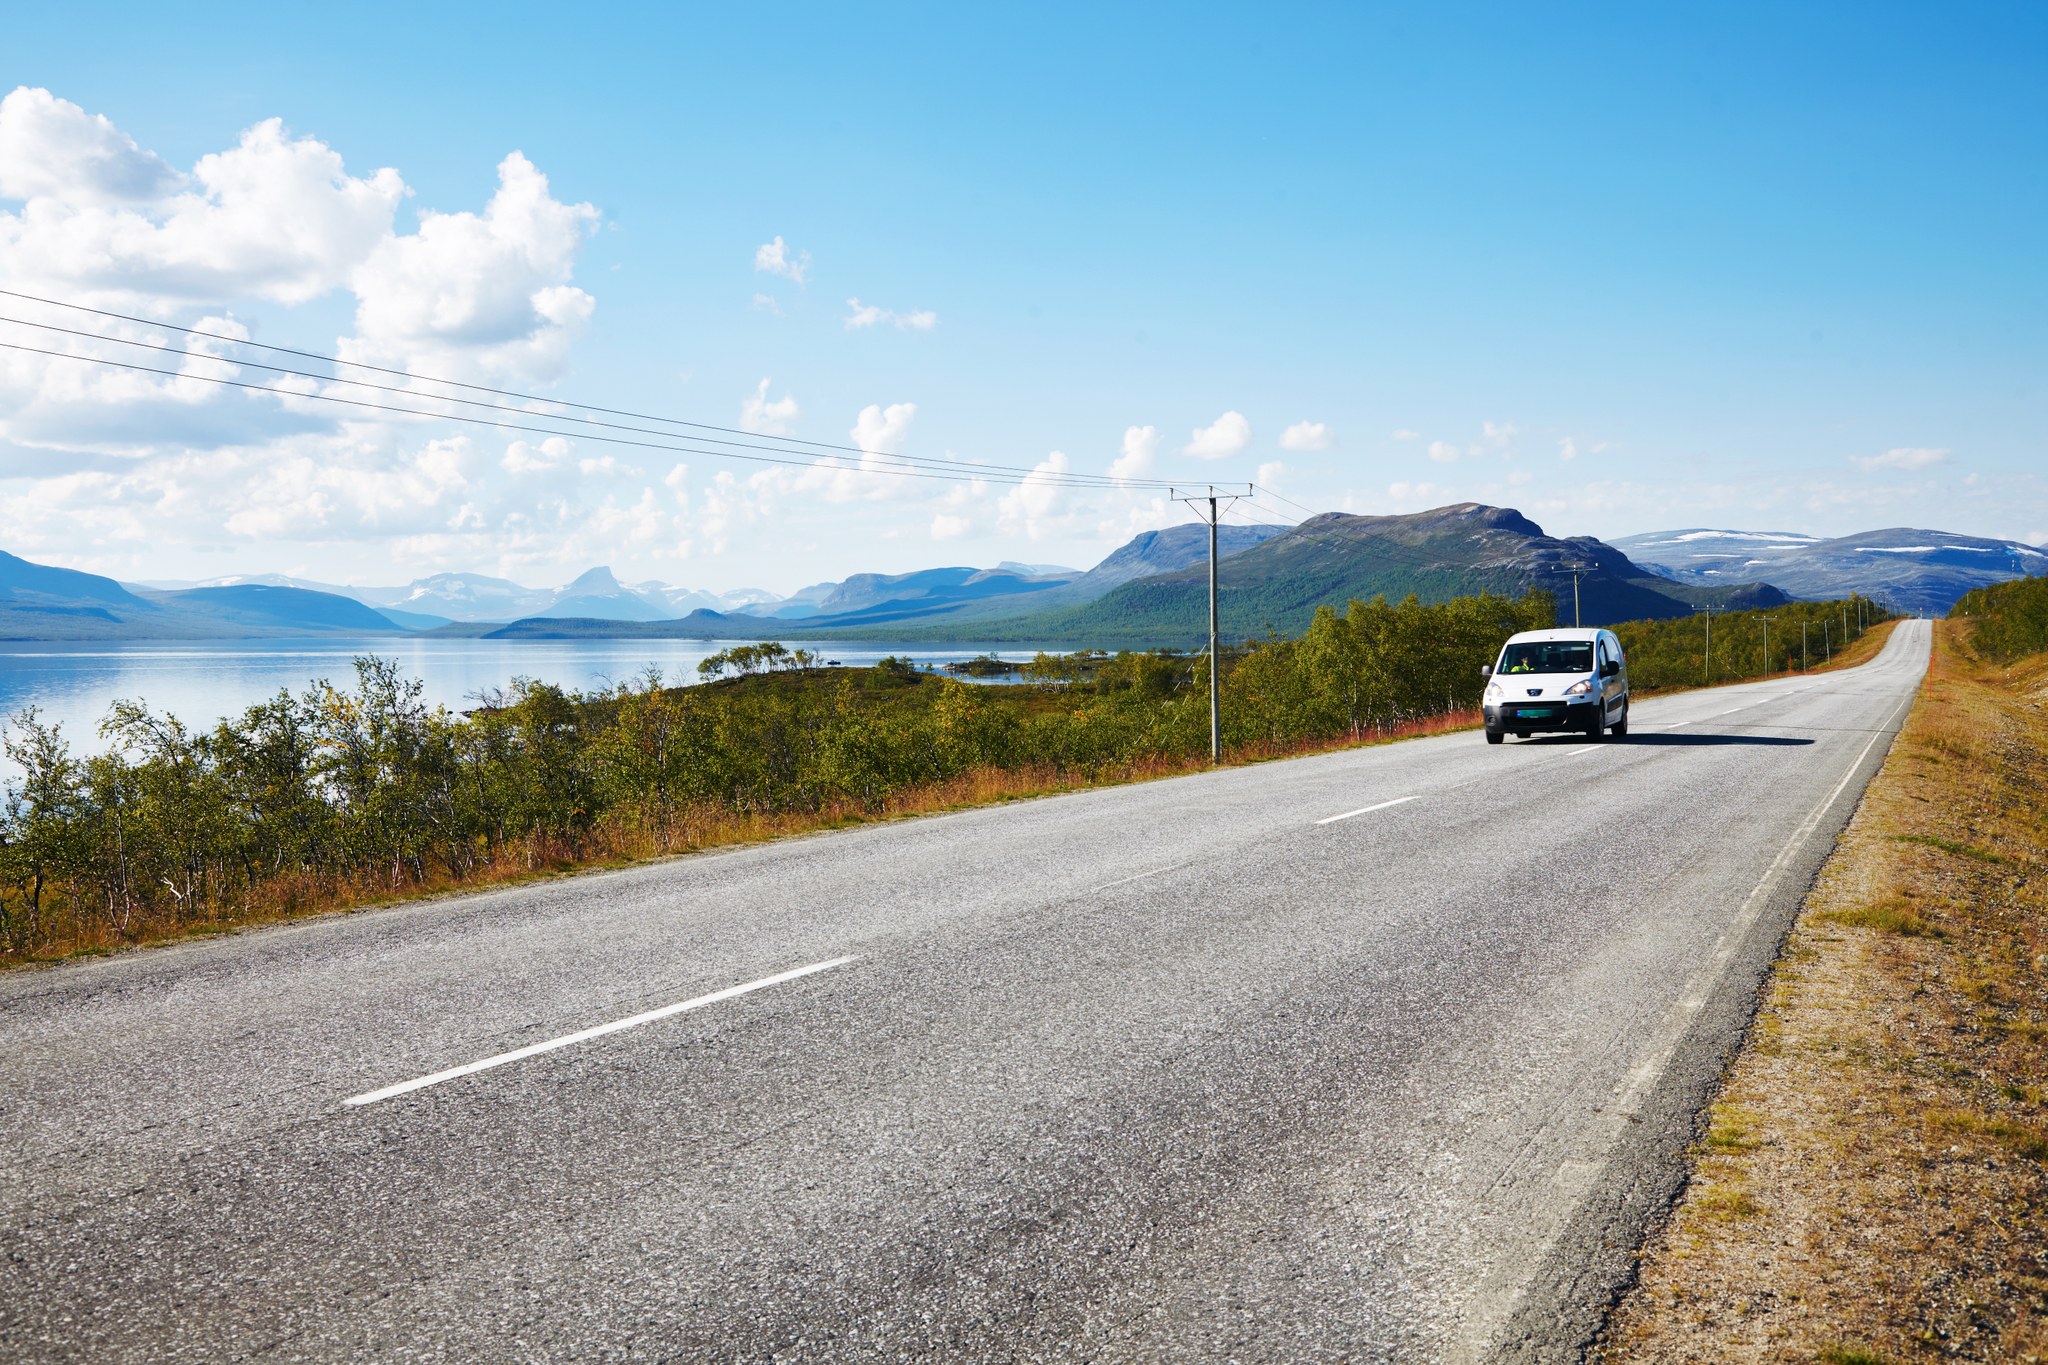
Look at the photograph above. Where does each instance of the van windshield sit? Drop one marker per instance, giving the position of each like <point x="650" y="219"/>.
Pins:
<point x="1548" y="656"/>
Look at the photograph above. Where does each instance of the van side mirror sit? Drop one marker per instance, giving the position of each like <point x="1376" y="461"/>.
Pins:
<point x="1486" y="670"/>
<point x="1610" y="668"/>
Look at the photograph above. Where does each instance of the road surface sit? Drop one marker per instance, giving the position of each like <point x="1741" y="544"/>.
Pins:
<point x="1378" y="1054"/>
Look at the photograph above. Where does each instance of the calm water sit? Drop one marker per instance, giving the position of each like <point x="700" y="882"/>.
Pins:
<point x="202" y="682"/>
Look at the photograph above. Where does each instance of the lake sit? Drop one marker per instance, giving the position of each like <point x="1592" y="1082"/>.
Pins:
<point x="201" y="682"/>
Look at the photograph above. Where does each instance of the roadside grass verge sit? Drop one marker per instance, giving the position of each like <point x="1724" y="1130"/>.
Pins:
<point x="1872" y="1182"/>
<point x="691" y="829"/>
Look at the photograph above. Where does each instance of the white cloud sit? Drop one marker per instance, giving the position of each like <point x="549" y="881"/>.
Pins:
<point x="273" y="217"/>
<point x="774" y="258"/>
<point x="151" y="467"/>
<point x="1226" y="436"/>
<point x="766" y="417"/>
<point x="52" y="149"/>
<point x="883" y="429"/>
<point x="1140" y="447"/>
<point x="1904" y="457"/>
<point x="766" y="303"/>
<point x="1498" y="435"/>
<point x="1568" y="449"/>
<point x="523" y="458"/>
<point x="484" y="295"/>
<point x="1034" y="506"/>
<point x="1307" y="436"/>
<point x="1270" y="474"/>
<point x="1404" y="434"/>
<point x="1417" y="496"/>
<point x="947" y="526"/>
<point x="867" y="315"/>
<point x="1443" y="452"/>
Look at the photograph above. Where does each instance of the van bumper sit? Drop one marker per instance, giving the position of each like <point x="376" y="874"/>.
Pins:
<point x="1540" y="716"/>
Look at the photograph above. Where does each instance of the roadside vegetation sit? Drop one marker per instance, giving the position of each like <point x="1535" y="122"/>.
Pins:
<point x="1870" y="1184"/>
<point x="1798" y="637"/>
<point x="359" y="793"/>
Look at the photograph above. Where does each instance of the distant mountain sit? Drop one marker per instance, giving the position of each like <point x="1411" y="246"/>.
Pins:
<point x="24" y="585"/>
<point x="597" y="594"/>
<point x="461" y="597"/>
<point x="1908" y="569"/>
<point x="944" y="603"/>
<point x="1335" y="558"/>
<point x="1275" y="579"/>
<point x="42" y="602"/>
<point x="262" y="606"/>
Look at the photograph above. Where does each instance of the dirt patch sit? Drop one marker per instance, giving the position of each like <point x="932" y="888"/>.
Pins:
<point x="1869" y="1185"/>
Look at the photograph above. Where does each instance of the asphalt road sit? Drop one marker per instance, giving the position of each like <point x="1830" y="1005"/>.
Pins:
<point x="1183" y="1071"/>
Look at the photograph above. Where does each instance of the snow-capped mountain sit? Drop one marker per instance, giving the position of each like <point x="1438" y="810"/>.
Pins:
<point x="1909" y="569"/>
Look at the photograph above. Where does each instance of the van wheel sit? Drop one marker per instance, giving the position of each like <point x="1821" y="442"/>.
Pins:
<point x="1620" y="728"/>
<point x="1494" y="736"/>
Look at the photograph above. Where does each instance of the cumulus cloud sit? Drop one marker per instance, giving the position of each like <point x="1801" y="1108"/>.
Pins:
<point x="766" y="417"/>
<point x="775" y="258"/>
<point x="860" y="315"/>
<point x="1034" y="506"/>
<point x="1140" y="448"/>
<point x="1903" y="457"/>
<point x="1498" y="435"/>
<point x="52" y="149"/>
<point x="485" y="295"/>
<point x="883" y="429"/>
<point x="149" y="465"/>
<point x="1567" y="449"/>
<point x="522" y="457"/>
<point x="1443" y="452"/>
<point x="274" y="217"/>
<point x="1228" y="435"/>
<point x="1404" y="434"/>
<point x="1307" y="436"/>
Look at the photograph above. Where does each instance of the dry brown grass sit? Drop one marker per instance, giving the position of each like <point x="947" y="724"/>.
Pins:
<point x="1870" y="1183"/>
<point x="689" y="830"/>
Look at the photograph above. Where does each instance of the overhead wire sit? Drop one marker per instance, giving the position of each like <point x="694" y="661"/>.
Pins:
<point x="913" y="462"/>
<point x="823" y="464"/>
<point x="953" y="467"/>
<point x="1278" y="496"/>
<point x="826" y="464"/>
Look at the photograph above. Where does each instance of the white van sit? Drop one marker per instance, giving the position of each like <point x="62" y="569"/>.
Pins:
<point x="1572" y="680"/>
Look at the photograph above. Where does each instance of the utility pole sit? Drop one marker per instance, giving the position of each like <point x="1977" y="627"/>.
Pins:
<point x="1805" y="663"/>
<point x="1708" y="612"/>
<point x="1209" y="498"/>
<point x="1577" y="571"/>
<point x="1767" y="648"/>
<point x="1827" y="644"/>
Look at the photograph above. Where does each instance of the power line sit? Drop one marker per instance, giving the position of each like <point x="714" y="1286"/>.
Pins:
<point x="1273" y="493"/>
<point x="1067" y="479"/>
<point x="808" y="463"/>
<point x="1070" y="479"/>
<point x="1283" y="518"/>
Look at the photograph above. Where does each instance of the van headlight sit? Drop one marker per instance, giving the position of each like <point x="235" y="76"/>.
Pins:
<point x="1492" y="692"/>
<point x="1579" y="688"/>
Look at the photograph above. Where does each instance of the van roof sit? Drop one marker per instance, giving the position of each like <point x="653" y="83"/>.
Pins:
<point x="1563" y="633"/>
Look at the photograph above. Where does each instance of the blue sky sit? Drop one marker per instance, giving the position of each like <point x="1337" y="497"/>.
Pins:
<point x="1766" y="267"/>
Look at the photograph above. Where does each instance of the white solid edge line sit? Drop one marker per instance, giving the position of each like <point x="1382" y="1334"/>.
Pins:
<point x="1633" y="1089"/>
<point x="585" y="1035"/>
<point x="1365" y="810"/>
